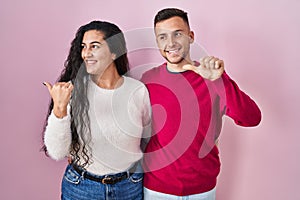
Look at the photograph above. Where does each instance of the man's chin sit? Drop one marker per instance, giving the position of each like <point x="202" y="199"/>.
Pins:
<point x="175" y="61"/>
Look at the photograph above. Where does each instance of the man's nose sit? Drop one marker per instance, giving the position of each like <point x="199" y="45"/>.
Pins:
<point x="171" y="41"/>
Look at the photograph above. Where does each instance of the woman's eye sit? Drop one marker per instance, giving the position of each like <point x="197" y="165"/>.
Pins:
<point x="95" y="46"/>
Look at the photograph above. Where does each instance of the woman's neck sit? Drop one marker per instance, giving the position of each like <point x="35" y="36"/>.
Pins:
<point x="110" y="79"/>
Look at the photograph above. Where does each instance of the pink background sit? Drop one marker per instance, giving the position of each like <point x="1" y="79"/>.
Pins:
<point x="259" y="41"/>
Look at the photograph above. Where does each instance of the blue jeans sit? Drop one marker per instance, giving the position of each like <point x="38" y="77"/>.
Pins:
<point x="75" y="187"/>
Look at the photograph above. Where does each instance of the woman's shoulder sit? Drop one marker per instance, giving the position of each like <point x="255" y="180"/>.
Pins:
<point x="133" y="82"/>
<point x="135" y="86"/>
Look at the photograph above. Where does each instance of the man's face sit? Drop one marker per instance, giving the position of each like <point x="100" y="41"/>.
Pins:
<point x="173" y="38"/>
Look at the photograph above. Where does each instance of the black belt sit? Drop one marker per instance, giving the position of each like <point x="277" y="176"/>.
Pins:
<point x="106" y="179"/>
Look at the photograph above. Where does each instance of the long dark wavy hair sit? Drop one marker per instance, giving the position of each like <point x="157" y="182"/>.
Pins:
<point x="75" y="71"/>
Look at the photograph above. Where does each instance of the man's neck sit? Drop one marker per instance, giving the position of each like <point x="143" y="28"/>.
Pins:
<point x="172" y="67"/>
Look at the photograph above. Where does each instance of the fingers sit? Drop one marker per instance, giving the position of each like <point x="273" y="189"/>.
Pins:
<point x="208" y="62"/>
<point x="67" y="85"/>
<point x="211" y="62"/>
<point x="48" y="85"/>
<point x="219" y="64"/>
<point x="211" y="67"/>
<point x="189" y="67"/>
<point x="63" y="87"/>
<point x="59" y="87"/>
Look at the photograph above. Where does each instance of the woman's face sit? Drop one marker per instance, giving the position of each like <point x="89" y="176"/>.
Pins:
<point x="95" y="53"/>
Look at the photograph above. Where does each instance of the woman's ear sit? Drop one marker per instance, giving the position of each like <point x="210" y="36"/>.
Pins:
<point x="113" y="56"/>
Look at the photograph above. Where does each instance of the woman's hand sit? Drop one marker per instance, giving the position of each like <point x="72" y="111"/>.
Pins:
<point x="61" y="94"/>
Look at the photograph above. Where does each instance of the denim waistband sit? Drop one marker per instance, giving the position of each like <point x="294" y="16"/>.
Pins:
<point x="105" y="179"/>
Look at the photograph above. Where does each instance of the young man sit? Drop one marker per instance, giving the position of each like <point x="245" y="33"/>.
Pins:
<point x="188" y="100"/>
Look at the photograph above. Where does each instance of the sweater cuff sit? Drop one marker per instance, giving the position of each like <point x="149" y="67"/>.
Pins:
<point x="59" y="125"/>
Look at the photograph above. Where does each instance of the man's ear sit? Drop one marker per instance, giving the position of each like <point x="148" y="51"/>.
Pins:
<point x="191" y="36"/>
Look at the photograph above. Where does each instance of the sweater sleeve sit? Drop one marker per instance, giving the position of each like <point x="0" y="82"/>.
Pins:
<point x="238" y="105"/>
<point x="58" y="136"/>
<point x="147" y="112"/>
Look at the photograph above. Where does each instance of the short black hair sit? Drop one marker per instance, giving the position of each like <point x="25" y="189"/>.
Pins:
<point x="168" y="13"/>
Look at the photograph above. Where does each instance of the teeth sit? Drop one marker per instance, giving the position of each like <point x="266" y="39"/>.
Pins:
<point x="90" y="61"/>
<point x="172" y="51"/>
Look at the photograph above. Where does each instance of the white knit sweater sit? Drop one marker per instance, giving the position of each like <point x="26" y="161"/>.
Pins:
<point x="118" y="118"/>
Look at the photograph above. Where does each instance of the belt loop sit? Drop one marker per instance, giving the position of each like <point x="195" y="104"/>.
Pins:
<point x="128" y="173"/>
<point x="82" y="174"/>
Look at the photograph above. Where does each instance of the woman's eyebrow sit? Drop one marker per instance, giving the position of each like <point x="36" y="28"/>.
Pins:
<point x="94" y="42"/>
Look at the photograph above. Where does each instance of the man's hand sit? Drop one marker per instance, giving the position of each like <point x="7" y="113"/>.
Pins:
<point x="210" y="68"/>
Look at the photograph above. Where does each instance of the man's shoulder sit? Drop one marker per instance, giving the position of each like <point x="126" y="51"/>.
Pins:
<point x="153" y="72"/>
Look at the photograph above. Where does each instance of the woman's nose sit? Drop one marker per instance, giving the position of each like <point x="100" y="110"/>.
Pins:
<point x="86" y="52"/>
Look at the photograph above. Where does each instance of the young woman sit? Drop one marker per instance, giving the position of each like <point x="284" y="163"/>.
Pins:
<point x="97" y="117"/>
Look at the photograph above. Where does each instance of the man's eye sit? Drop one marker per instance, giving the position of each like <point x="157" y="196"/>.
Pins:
<point x="178" y="34"/>
<point x="162" y="37"/>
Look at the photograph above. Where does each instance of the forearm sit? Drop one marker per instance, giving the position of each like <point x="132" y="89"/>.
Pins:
<point x="239" y="106"/>
<point x="58" y="136"/>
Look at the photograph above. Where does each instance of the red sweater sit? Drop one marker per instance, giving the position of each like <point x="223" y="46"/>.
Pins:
<point x="181" y="157"/>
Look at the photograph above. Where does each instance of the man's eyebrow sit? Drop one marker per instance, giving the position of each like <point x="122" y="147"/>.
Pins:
<point x="161" y="34"/>
<point x="178" y="30"/>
